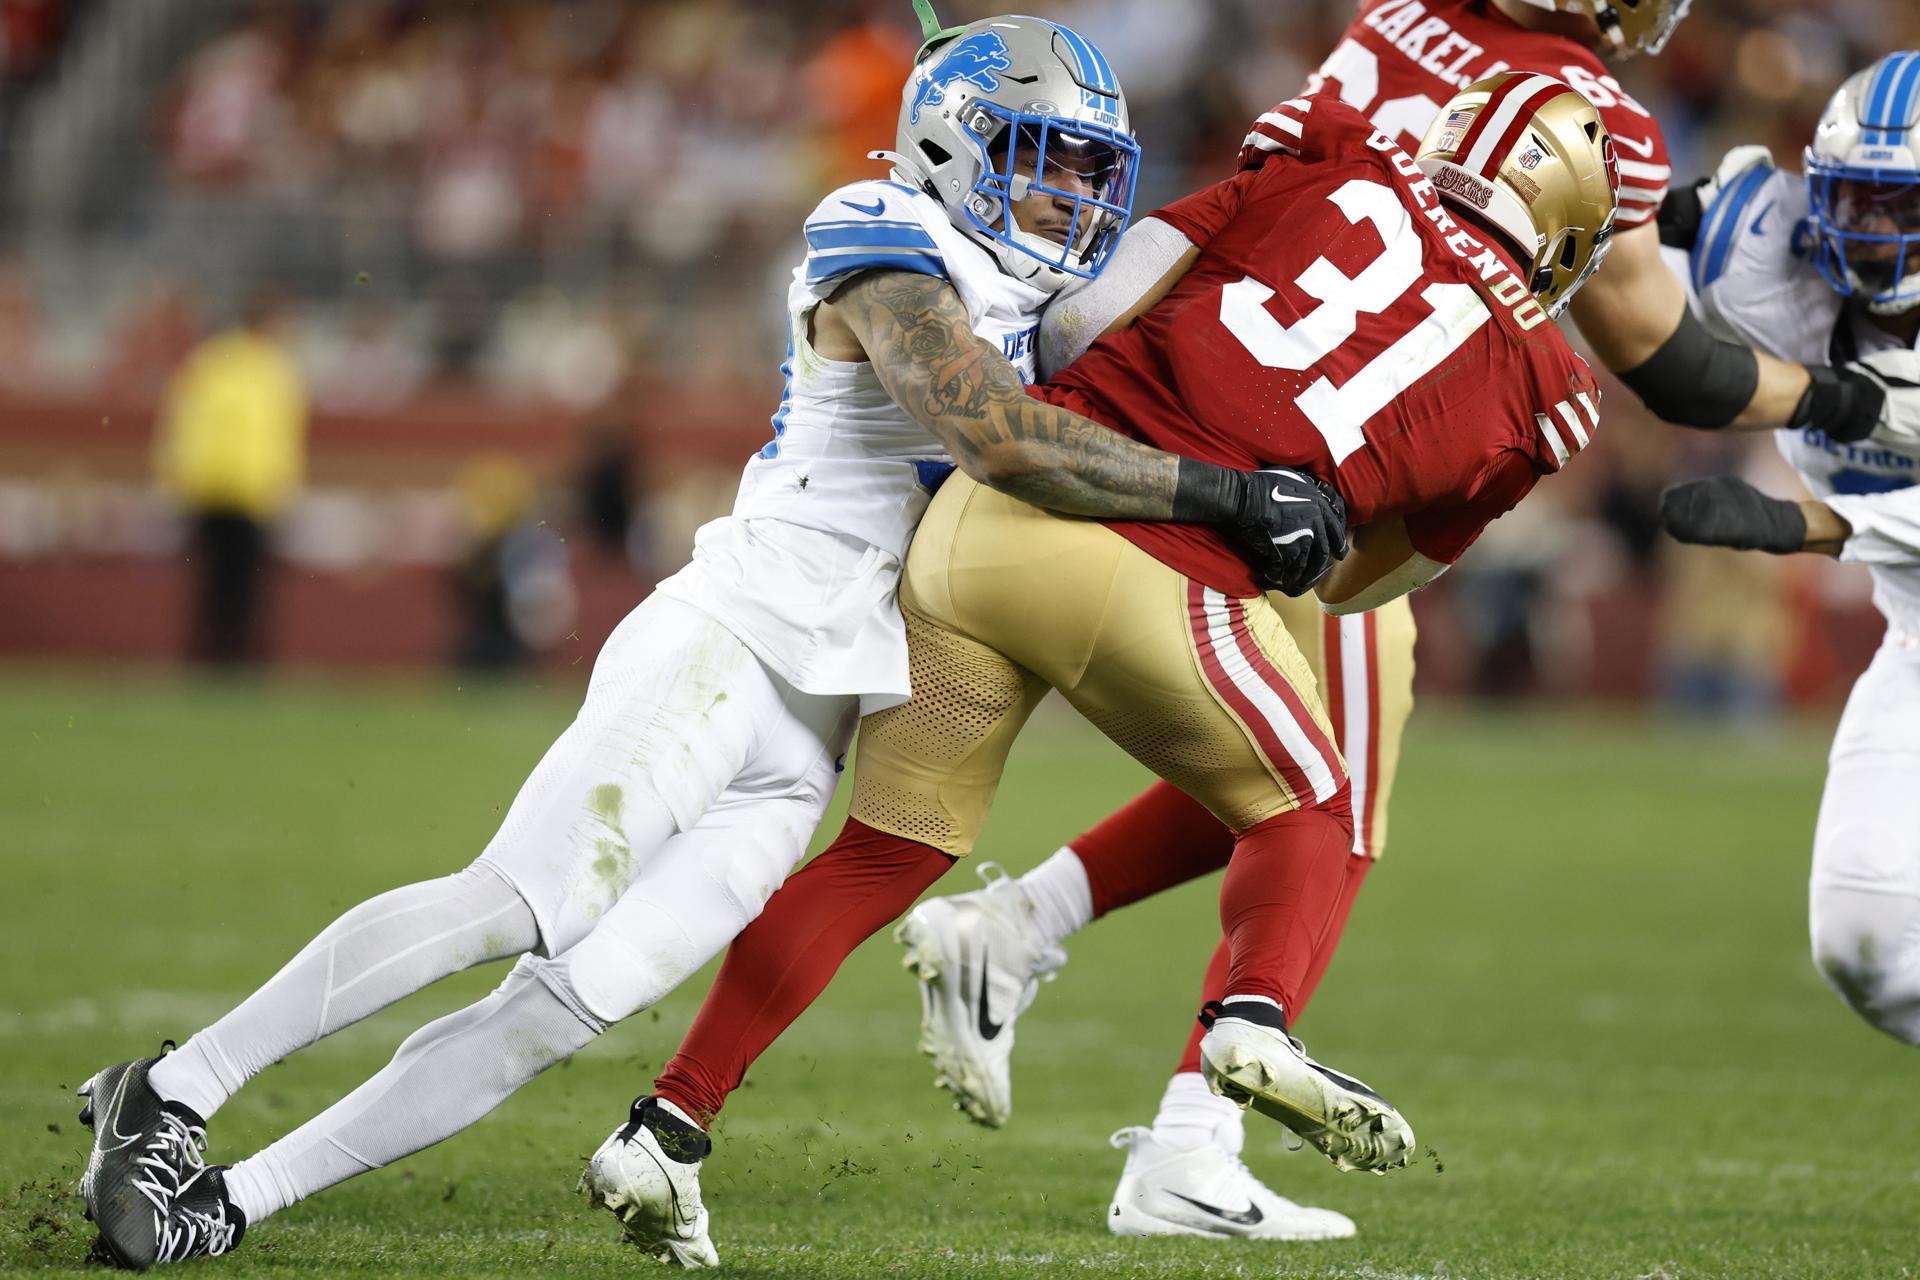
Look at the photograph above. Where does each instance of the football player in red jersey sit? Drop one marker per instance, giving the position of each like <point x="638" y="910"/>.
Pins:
<point x="1396" y="62"/>
<point x="1381" y="322"/>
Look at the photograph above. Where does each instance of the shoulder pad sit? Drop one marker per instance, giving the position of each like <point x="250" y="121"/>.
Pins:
<point x="871" y="224"/>
<point x="1724" y="205"/>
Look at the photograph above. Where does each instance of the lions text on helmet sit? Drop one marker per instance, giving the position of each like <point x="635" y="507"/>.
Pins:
<point x="1018" y="127"/>
<point x="1528" y="156"/>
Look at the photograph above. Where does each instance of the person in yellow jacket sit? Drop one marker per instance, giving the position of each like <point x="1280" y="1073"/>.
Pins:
<point x="232" y="451"/>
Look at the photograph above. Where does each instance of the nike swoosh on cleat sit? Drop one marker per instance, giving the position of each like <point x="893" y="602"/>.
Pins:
<point x="988" y="1027"/>
<point x="1247" y="1217"/>
<point x="113" y="1117"/>
<point x="873" y="211"/>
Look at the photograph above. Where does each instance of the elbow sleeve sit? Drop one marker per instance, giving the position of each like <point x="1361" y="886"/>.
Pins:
<point x="1696" y="379"/>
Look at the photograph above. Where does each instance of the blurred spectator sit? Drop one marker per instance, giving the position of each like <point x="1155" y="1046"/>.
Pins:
<point x="496" y="498"/>
<point x="231" y="451"/>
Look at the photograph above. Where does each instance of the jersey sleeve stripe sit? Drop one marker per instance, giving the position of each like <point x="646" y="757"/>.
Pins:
<point x="1285" y="124"/>
<point x="1572" y="419"/>
<point x="1717" y="234"/>
<point x="899" y="236"/>
<point x="820" y="270"/>
<point x="1647" y="172"/>
<point x="1267" y="143"/>
<point x="1548" y="433"/>
<point x="835" y="224"/>
<point x="1591" y="410"/>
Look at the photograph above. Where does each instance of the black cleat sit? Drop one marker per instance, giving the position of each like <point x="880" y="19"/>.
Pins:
<point x="203" y="1222"/>
<point x="143" y="1148"/>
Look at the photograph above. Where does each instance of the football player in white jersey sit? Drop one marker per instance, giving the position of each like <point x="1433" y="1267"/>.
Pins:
<point x="1827" y="267"/>
<point x="719" y="710"/>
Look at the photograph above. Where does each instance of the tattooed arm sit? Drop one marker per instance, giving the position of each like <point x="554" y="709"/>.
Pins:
<point x="915" y="331"/>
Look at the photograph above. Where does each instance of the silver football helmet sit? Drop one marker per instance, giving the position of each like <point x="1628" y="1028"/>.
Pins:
<point x="1863" y="180"/>
<point x="1012" y="107"/>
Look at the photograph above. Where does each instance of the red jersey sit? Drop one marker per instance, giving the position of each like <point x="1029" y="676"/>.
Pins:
<point x="1402" y="59"/>
<point x="1338" y="320"/>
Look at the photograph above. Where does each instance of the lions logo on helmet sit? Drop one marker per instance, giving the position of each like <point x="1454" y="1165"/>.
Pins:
<point x="1530" y="155"/>
<point x="974" y="60"/>
<point x="1009" y="109"/>
<point x="1863" y="179"/>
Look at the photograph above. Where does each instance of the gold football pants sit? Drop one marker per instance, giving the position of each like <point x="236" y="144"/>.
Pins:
<point x="1363" y="666"/>
<point x="1004" y="601"/>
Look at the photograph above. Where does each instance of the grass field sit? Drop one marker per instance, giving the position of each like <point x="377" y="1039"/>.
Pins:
<point x="1581" y="972"/>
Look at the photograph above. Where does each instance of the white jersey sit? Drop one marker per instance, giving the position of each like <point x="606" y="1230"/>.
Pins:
<point x="806" y="569"/>
<point x="1753" y="280"/>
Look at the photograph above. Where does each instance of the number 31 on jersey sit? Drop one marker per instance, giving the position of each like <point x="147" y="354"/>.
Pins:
<point x="1340" y="413"/>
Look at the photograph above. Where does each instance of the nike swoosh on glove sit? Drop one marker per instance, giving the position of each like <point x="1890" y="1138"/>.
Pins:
<point x="1725" y="511"/>
<point x="1291" y="528"/>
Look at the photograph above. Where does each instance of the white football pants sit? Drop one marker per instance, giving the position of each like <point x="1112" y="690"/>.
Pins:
<point x="685" y="791"/>
<point x="1864" y="899"/>
<point x="652" y="832"/>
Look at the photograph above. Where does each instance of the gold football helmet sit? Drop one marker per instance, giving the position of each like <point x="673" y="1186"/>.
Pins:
<point x="1531" y="156"/>
<point x="1630" y="26"/>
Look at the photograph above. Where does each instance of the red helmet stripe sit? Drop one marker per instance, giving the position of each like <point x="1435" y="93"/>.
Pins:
<point x="1505" y="117"/>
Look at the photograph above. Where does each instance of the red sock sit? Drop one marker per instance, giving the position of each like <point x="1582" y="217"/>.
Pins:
<point x="1358" y="865"/>
<point x="1282" y="888"/>
<point x="1163" y="838"/>
<point x="783" y="961"/>
<point x="1214" y="986"/>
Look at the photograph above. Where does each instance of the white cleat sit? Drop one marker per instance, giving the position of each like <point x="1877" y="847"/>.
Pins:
<point x="1252" y="1063"/>
<point x="980" y="959"/>
<point x="1206" y="1191"/>
<point x="655" y="1196"/>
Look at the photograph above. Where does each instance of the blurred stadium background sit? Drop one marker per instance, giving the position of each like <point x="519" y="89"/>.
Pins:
<point x="514" y="271"/>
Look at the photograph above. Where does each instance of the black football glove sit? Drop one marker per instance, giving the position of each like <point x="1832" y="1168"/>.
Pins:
<point x="1289" y="526"/>
<point x="1728" y="512"/>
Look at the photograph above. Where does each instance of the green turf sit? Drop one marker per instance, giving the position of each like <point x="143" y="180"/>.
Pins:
<point x="1581" y="971"/>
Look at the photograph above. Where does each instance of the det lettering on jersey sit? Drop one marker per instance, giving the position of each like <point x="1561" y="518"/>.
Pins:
<point x="1018" y="346"/>
<point x="1506" y="288"/>
<point x="1866" y="459"/>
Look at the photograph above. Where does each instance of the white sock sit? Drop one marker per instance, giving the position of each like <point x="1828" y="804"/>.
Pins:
<point x="445" y="1077"/>
<point x="667" y="1105"/>
<point x="1192" y="1115"/>
<point x="385" y="948"/>
<point x="1061" y="897"/>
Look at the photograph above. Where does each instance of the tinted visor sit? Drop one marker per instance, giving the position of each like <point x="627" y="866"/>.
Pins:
<point x="1876" y="224"/>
